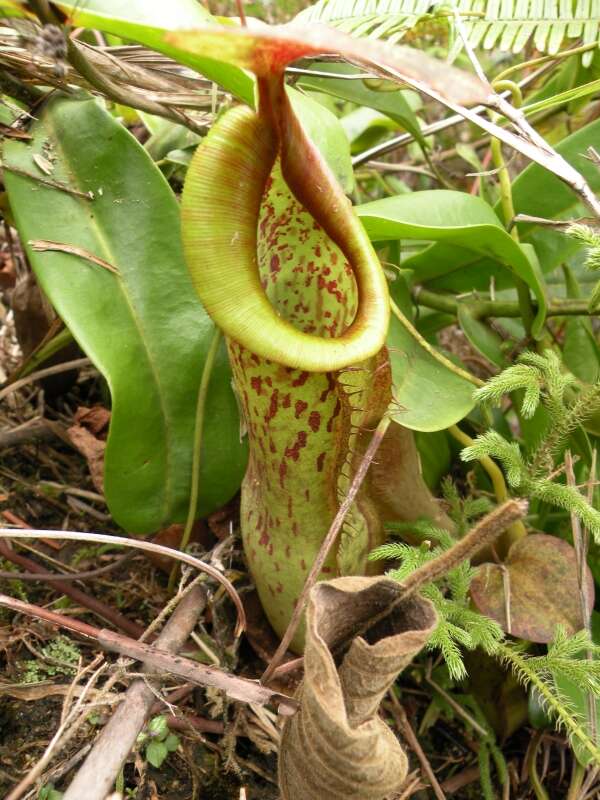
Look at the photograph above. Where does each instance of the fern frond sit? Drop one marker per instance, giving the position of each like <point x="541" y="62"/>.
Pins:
<point x="476" y="507"/>
<point x="377" y="19"/>
<point x="459" y="581"/>
<point x="445" y="638"/>
<point x="422" y="528"/>
<point x="484" y="632"/>
<point x="508" y="453"/>
<point x="569" y="498"/>
<point x="588" y="237"/>
<point x="390" y="550"/>
<point x="503" y="24"/>
<point x="565" y="715"/>
<point x="519" y="376"/>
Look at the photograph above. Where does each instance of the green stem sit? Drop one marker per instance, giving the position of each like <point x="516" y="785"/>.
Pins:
<point x="482" y="309"/>
<point x="508" y="207"/>
<point x="537" y="62"/>
<point x="197" y="448"/>
<point x="534" y="778"/>
<point x="576" y="783"/>
<point x="508" y="211"/>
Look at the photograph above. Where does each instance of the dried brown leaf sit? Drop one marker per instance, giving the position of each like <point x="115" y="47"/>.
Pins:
<point x="534" y="590"/>
<point x="92" y="449"/>
<point x="337" y="746"/>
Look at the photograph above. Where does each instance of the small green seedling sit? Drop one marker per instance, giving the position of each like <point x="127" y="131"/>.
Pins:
<point x="158" y="741"/>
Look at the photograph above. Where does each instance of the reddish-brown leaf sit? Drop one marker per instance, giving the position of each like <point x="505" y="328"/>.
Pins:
<point x="540" y="579"/>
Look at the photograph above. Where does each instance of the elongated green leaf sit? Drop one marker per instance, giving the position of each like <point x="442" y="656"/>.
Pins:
<point x="481" y="336"/>
<point x="459" y="218"/>
<point x="148" y="22"/>
<point x="144" y="329"/>
<point x="536" y="192"/>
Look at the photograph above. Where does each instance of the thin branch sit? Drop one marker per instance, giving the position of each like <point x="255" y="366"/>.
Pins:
<point x="407" y="732"/>
<point x="436" y="127"/>
<point x="44" y="373"/>
<point x="85" y="599"/>
<point x="139" y="544"/>
<point x="482" y="309"/>
<point x="66" y="576"/>
<point x="242" y="689"/>
<point x="98" y="773"/>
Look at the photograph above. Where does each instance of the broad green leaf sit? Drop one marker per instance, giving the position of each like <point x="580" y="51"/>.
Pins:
<point x="365" y="126"/>
<point x="148" y="22"/>
<point x="156" y="752"/>
<point x="536" y="192"/>
<point x="158" y="727"/>
<point x="172" y="742"/>
<point x="481" y="336"/>
<point x="456" y="217"/>
<point x="540" y="194"/>
<point x="167" y="136"/>
<point x="428" y="395"/>
<point x="580" y="350"/>
<point x="144" y="329"/>
<point x="434" y="454"/>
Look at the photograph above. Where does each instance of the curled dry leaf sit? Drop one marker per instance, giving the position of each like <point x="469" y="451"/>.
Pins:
<point x="337" y="746"/>
<point x="95" y="419"/>
<point x="92" y="449"/>
<point x="88" y="436"/>
<point x="535" y="590"/>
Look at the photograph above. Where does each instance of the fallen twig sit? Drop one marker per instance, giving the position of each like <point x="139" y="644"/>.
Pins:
<point x="97" y="775"/>
<point x="44" y="373"/>
<point x="103" y="610"/>
<point x="62" y="576"/>
<point x="407" y="732"/>
<point x="44" y="245"/>
<point x="242" y="689"/>
<point x="62" y="187"/>
<point x="139" y="544"/>
<point x="32" y="430"/>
